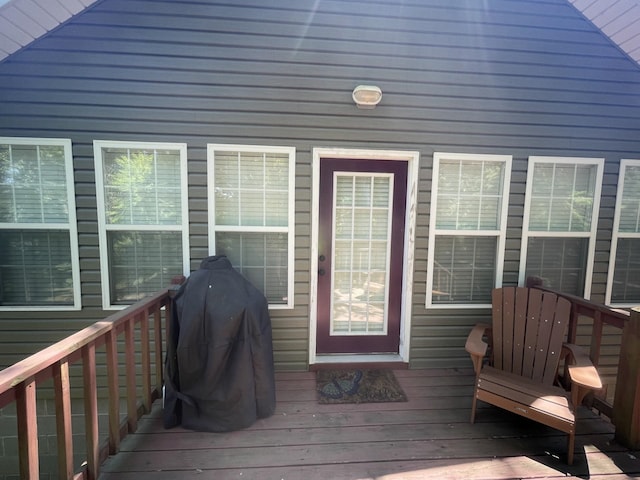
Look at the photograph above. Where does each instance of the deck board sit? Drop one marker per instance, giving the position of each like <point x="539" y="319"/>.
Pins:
<point x="429" y="436"/>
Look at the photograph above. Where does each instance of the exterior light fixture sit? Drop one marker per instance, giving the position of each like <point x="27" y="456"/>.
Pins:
<point x="367" y="96"/>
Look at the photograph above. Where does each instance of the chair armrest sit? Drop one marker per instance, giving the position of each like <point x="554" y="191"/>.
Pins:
<point x="581" y="369"/>
<point x="476" y="346"/>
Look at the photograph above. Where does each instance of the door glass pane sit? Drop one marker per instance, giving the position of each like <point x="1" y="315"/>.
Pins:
<point x="362" y="233"/>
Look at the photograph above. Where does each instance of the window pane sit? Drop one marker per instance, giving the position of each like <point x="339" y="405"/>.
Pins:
<point x="630" y="203"/>
<point x="142" y="187"/>
<point x="449" y="177"/>
<point x="561" y="262"/>
<point x="493" y="176"/>
<point x="251" y="170"/>
<point x="469" y="195"/>
<point x="277" y="212"/>
<point x="626" y="279"/>
<point x="253" y="208"/>
<point x="262" y="258"/>
<point x="471" y="178"/>
<point x="490" y="213"/>
<point x="468" y="213"/>
<point x="141" y="263"/>
<point x="227" y="206"/>
<point x="562" y="197"/>
<point x="447" y="212"/>
<point x="464" y="269"/>
<point x="251" y="189"/>
<point x="277" y="171"/>
<point x="35" y="268"/>
<point x="33" y="184"/>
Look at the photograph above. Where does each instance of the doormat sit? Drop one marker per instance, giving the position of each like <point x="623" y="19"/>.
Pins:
<point x="358" y="386"/>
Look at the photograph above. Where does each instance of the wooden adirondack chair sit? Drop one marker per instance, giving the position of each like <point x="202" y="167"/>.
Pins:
<point x="525" y="346"/>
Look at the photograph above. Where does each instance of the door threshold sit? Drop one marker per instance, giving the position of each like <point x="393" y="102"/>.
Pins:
<point x="390" y="361"/>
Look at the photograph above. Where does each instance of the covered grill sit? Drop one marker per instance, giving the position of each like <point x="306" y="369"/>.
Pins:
<point x="219" y="367"/>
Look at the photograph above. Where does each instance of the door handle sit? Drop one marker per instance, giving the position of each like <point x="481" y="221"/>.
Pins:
<point x="321" y="271"/>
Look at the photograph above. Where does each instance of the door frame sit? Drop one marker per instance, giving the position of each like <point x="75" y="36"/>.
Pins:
<point x="412" y="158"/>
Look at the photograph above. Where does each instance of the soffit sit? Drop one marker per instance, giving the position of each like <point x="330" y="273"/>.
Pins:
<point x="618" y="19"/>
<point x="23" y="21"/>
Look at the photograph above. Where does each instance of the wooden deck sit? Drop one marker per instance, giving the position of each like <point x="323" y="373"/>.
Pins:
<point x="427" y="437"/>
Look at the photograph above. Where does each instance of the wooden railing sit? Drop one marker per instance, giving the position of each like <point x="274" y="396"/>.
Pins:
<point x="19" y="384"/>
<point x="625" y="409"/>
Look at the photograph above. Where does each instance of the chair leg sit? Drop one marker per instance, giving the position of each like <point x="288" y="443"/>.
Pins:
<point x="570" y="448"/>
<point x="473" y="408"/>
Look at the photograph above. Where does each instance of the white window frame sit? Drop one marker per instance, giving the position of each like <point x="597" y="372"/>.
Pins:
<point x="103" y="227"/>
<point x="616" y="234"/>
<point x="499" y="234"/>
<point x="290" y="230"/>
<point x="71" y="225"/>
<point x="590" y="235"/>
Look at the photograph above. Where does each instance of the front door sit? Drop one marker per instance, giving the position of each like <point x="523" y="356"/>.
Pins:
<point x="361" y="235"/>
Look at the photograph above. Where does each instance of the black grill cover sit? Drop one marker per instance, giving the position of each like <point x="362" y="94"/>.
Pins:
<point x="219" y="373"/>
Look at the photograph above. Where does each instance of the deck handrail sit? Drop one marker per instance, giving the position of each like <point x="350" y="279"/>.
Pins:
<point x="625" y="409"/>
<point x="18" y="383"/>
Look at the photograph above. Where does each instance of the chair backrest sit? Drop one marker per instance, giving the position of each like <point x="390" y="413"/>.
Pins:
<point x="529" y="327"/>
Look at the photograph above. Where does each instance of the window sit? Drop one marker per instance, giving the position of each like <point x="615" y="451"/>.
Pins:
<point x="560" y="220"/>
<point x="142" y="218"/>
<point x="467" y="228"/>
<point x="39" y="266"/>
<point x="251" y="215"/>
<point x="623" y="286"/>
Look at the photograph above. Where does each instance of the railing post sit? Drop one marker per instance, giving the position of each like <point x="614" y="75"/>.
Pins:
<point x="130" y="368"/>
<point x="28" y="430"/>
<point x="157" y="334"/>
<point x="145" y="353"/>
<point x="626" y="404"/>
<point x="111" y="343"/>
<point x="63" y="419"/>
<point x="91" y="410"/>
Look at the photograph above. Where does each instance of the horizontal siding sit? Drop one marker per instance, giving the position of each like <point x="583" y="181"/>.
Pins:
<point x="515" y="77"/>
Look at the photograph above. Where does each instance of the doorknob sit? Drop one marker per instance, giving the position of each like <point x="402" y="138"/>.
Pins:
<point x="322" y="258"/>
<point x="321" y="271"/>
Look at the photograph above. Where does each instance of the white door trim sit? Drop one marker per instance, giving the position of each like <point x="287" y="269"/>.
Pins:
<point x="412" y="158"/>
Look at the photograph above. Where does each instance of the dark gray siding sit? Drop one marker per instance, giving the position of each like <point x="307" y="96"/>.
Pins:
<point x="517" y="77"/>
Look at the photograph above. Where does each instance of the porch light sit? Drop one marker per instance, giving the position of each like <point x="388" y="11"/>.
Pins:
<point x="367" y="96"/>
